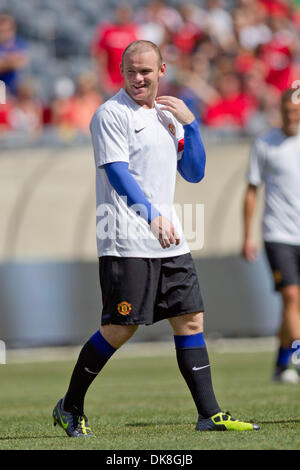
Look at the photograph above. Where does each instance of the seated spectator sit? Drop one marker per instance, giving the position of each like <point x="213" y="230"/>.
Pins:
<point x="5" y="125"/>
<point x="13" y="54"/>
<point x="232" y="108"/>
<point x="267" y="113"/>
<point x="276" y="7"/>
<point x="62" y="108"/>
<point x="210" y="49"/>
<point x="75" y="104"/>
<point x="219" y="24"/>
<point x="152" y="26"/>
<point x="110" y="41"/>
<point x="86" y="100"/>
<point x="250" y="28"/>
<point x="278" y="54"/>
<point x="26" y="113"/>
<point x="193" y="84"/>
<point x="159" y="12"/>
<point x="157" y="17"/>
<point x="187" y="36"/>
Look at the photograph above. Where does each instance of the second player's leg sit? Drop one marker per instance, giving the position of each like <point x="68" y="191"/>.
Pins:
<point x="288" y="333"/>
<point x="290" y="326"/>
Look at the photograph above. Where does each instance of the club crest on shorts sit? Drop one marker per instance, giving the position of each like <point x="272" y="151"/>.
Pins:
<point x="171" y="128"/>
<point x="277" y="276"/>
<point x="124" y="308"/>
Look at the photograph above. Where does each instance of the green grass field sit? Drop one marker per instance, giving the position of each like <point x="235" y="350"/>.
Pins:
<point x="143" y="403"/>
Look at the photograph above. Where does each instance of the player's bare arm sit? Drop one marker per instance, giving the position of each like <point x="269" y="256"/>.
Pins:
<point x="249" y="250"/>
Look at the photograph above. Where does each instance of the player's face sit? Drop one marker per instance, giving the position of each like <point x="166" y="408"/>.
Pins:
<point x="290" y="117"/>
<point x="7" y="31"/>
<point x="141" y="72"/>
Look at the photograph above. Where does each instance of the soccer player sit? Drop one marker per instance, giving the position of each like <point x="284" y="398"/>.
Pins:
<point x="275" y="161"/>
<point x="146" y="270"/>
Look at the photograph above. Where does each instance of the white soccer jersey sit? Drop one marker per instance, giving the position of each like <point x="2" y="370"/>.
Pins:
<point x="147" y="139"/>
<point x="275" y="161"/>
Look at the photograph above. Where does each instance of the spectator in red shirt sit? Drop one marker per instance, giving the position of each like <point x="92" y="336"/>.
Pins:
<point x="107" y="48"/>
<point x="232" y="108"/>
<point x="187" y="36"/>
<point x="275" y="7"/>
<point x="278" y="54"/>
<point x="5" y="124"/>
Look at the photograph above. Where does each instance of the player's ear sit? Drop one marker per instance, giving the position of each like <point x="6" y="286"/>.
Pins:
<point x="122" y="69"/>
<point x="162" y="70"/>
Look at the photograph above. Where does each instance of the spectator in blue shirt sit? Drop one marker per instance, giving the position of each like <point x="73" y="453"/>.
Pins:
<point x="13" y="54"/>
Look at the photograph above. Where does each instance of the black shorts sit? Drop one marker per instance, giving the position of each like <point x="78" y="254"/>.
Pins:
<point x="142" y="291"/>
<point x="284" y="261"/>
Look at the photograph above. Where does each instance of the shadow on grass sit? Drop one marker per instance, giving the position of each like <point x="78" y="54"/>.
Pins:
<point x="157" y="423"/>
<point x="20" y="438"/>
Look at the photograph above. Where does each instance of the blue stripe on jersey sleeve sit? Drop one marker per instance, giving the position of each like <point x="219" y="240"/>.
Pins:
<point x="124" y="184"/>
<point x="192" y="164"/>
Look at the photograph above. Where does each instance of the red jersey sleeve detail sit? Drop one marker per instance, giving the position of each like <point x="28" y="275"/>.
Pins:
<point x="180" y="145"/>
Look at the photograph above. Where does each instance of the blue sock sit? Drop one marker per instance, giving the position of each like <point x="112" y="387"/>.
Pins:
<point x="189" y="341"/>
<point x="284" y="357"/>
<point x="102" y="346"/>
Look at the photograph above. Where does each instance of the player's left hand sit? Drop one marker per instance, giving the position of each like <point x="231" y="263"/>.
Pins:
<point x="177" y="107"/>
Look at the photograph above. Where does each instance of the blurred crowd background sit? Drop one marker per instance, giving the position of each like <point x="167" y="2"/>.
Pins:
<point x="229" y="60"/>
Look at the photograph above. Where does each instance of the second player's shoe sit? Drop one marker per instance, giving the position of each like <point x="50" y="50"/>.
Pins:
<point x="224" y="422"/>
<point x="74" y="422"/>
<point x="288" y="376"/>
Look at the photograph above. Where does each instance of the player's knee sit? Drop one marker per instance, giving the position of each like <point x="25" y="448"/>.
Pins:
<point x="117" y="335"/>
<point x="290" y="296"/>
<point x="194" y="325"/>
<point x="188" y="324"/>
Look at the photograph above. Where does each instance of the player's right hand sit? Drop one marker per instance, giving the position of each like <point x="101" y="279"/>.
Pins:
<point x="249" y="250"/>
<point x="164" y="231"/>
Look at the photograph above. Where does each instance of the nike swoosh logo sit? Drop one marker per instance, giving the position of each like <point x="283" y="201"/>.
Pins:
<point x="138" y="130"/>
<point x="64" y="425"/>
<point x="90" y="371"/>
<point x="199" y="368"/>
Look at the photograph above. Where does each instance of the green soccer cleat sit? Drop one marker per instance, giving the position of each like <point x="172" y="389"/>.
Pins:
<point x="224" y="422"/>
<point x="74" y="422"/>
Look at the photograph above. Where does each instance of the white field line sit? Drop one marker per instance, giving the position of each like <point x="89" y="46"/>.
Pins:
<point x="143" y="349"/>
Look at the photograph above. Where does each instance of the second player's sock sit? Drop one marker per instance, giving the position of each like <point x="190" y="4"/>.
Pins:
<point x="283" y="358"/>
<point x="92" y="358"/>
<point x="193" y="362"/>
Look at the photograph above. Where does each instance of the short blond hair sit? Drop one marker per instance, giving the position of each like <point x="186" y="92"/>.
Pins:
<point x="143" y="45"/>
